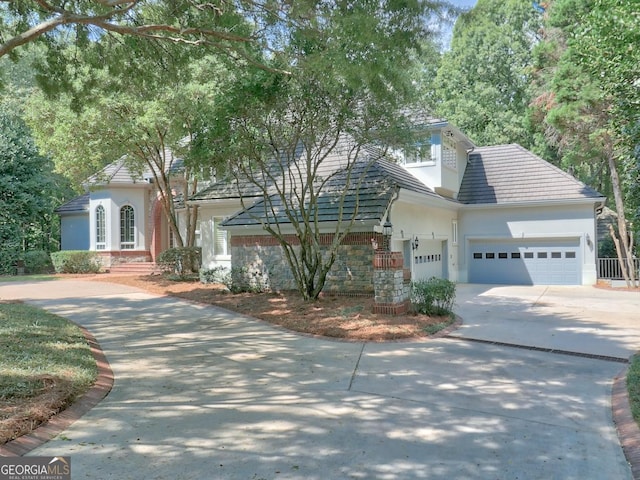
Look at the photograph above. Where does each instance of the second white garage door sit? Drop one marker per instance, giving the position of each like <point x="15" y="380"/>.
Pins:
<point x="519" y="262"/>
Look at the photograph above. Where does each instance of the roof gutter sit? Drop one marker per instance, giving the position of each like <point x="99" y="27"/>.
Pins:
<point x="387" y="215"/>
<point x="536" y="203"/>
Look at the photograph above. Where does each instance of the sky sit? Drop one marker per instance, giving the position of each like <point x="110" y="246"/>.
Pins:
<point x="463" y="3"/>
<point x="446" y="38"/>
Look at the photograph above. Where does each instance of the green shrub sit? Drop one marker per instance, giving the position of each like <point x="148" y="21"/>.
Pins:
<point x="75" y="261"/>
<point x="37" y="261"/>
<point x="435" y="296"/>
<point x="243" y="280"/>
<point x="8" y="259"/>
<point x="220" y="275"/>
<point x="182" y="261"/>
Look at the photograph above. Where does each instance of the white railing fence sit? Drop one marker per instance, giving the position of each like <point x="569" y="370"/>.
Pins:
<point x="609" y="268"/>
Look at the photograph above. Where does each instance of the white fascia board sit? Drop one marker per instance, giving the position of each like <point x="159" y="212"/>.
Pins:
<point x="461" y="137"/>
<point x="286" y="228"/>
<point x="408" y="196"/>
<point x="219" y="202"/>
<point x="543" y="203"/>
<point x="524" y="236"/>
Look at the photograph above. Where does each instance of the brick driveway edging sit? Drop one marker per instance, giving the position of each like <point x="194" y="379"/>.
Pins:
<point x="628" y="430"/>
<point x="59" y="422"/>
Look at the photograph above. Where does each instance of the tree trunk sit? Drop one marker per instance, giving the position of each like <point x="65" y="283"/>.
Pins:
<point x="624" y="241"/>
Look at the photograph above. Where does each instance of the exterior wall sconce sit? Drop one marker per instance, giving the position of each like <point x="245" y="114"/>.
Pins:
<point x="589" y="242"/>
<point x="387" y="230"/>
<point x="415" y="243"/>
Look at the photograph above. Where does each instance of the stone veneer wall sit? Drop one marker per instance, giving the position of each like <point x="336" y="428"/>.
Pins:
<point x="392" y="283"/>
<point x="261" y="262"/>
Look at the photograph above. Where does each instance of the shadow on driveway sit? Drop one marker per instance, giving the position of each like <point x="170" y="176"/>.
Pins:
<point x="205" y="393"/>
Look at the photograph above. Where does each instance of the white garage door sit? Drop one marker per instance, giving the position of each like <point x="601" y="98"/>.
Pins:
<point x="526" y="263"/>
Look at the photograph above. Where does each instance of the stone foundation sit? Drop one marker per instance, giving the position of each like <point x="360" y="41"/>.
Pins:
<point x="260" y="261"/>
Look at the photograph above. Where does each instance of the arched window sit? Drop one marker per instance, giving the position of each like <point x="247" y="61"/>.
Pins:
<point x="127" y="228"/>
<point x="101" y="228"/>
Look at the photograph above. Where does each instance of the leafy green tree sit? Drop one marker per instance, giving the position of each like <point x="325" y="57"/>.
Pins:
<point x="282" y="134"/>
<point x="482" y="84"/>
<point x="29" y="192"/>
<point x="585" y="104"/>
<point x="607" y="47"/>
<point x="217" y="24"/>
<point x="137" y="105"/>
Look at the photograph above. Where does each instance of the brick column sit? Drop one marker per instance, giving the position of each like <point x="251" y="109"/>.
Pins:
<point x="391" y="289"/>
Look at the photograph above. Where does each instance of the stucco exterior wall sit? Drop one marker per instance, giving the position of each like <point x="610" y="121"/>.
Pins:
<point x="74" y="232"/>
<point x="113" y="199"/>
<point x="441" y="175"/>
<point x="209" y="217"/>
<point x="437" y="251"/>
<point x="530" y="223"/>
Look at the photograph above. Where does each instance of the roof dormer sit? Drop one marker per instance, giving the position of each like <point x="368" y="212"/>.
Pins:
<point x="440" y="158"/>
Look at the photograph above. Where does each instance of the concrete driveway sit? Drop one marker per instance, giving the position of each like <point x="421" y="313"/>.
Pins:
<point x="578" y="319"/>
<point x="203" y="393"/>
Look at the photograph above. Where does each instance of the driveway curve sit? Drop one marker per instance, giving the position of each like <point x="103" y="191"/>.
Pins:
<point x="202" y="392"/>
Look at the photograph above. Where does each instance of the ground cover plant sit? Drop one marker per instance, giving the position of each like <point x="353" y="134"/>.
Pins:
<point x="45" y="364"/>
<point x="633" y="387"/>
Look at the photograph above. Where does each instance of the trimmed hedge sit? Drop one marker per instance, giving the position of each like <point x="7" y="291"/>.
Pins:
<point x="75" y="261"/>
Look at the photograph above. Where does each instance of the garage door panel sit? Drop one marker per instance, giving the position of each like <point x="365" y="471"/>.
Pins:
<point x="525" y="263"/>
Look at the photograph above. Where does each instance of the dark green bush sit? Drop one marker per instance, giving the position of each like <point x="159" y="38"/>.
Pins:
<point x="75" y="261"/>
<point x="37" y="261"/>
<point x="8" y="259"/>
<point x="181" y="261"/>
<point x="435" y="296"/>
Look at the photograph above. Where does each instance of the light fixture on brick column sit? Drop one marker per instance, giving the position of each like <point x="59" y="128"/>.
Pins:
<point x="387" y="230"/>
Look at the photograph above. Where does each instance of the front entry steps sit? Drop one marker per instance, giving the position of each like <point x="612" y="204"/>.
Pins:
<point x="135" y="268"/>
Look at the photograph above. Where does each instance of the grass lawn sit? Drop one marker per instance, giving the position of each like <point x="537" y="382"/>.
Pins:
<point x="27" y="278"/>
<point x="45" y="363"/>
<point x="633" y="387"/>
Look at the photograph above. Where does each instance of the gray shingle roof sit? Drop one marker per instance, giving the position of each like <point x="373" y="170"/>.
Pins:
<point x="227" y="188"/>
<point x="123" y="172"/>
<point x="366" y="200"/>
<point x="78" y="204"/>
<point x="511" y="174"/>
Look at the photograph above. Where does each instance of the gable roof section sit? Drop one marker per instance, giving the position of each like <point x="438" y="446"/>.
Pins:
<point x="78" y="204"/>
<point x="116" y="173"/>
<point x="506" y="174"/>
<point x="119" y="172"/>
<point x="367" y="200"/>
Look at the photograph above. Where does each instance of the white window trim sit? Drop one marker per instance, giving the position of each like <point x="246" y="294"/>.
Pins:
<point x="226" y="250"/>
<point x="128" y="245"/>
<point x="101" y="245"/>
<point x="454" y="232"/>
